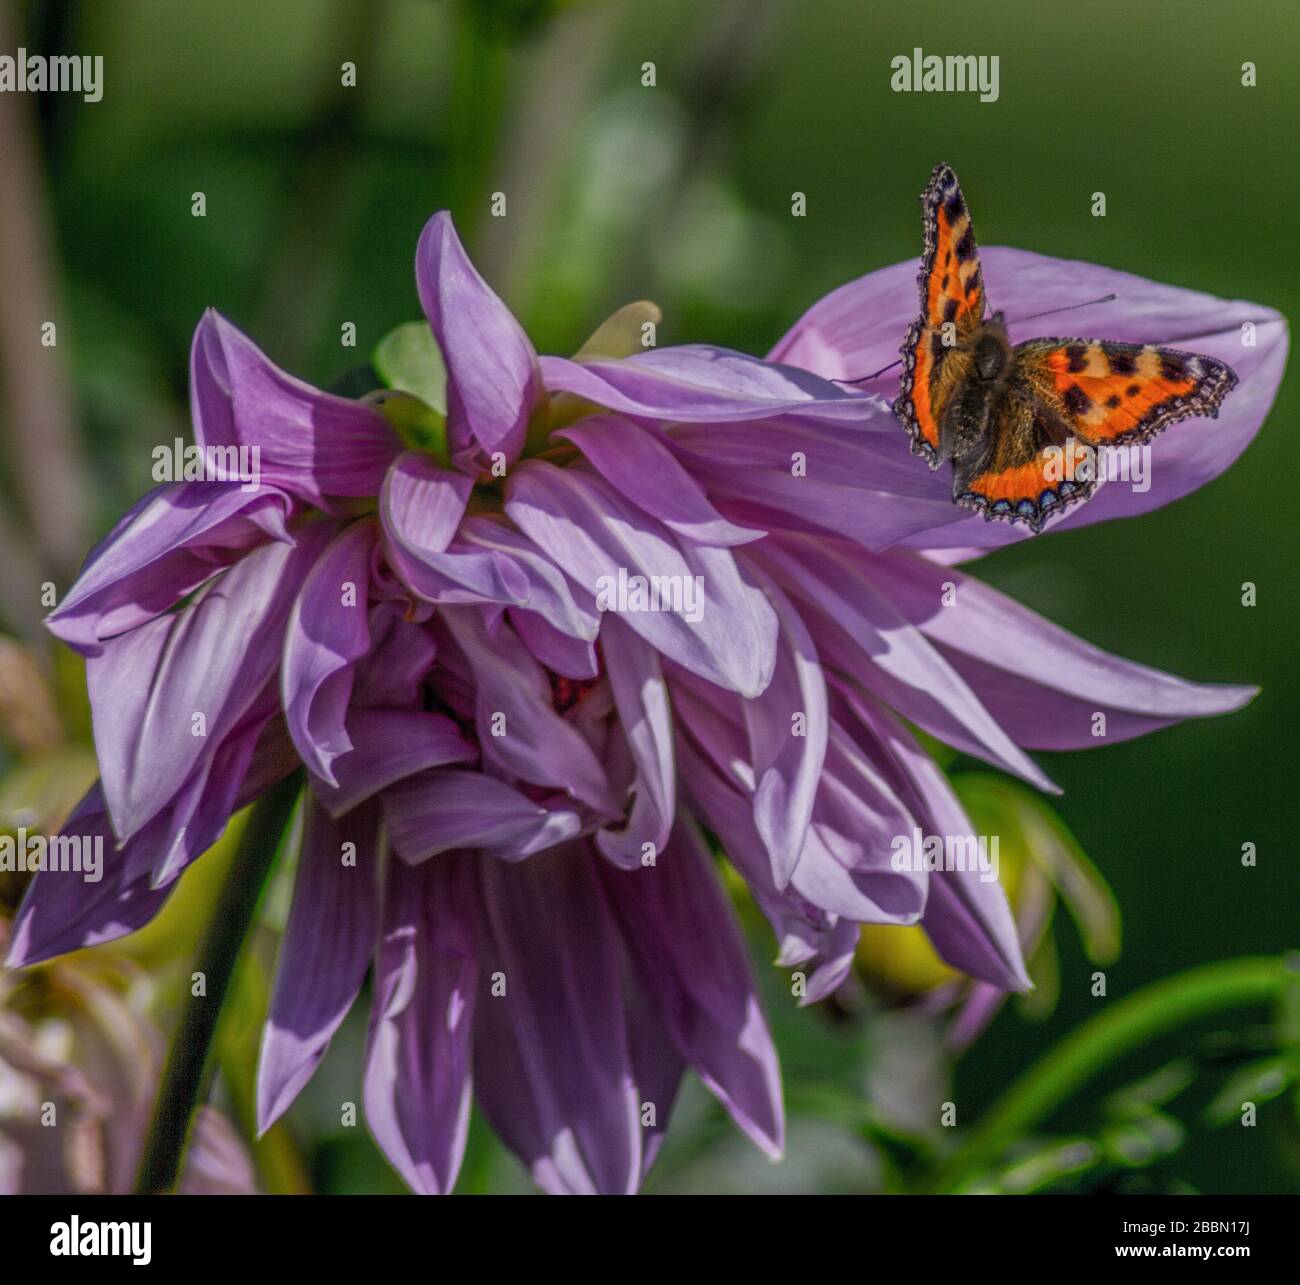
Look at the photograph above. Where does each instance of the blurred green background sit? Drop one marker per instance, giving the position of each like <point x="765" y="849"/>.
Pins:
<point x="681" y="193"/>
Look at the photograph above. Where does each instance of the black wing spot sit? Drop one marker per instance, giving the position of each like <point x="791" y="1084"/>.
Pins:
<point x="1077" y="402"/>
<point x="1078" y="358"/>
<point x="936" y="346"/>
<point x="1172" y="368"/>
<point x="955" y="207"/>
<point x="1122" y="363"/>
<point x="966" y="246"/>
<point x="950" y="310"/>
<point x="1132" y="390"/>
<point x="1112" y="402"/>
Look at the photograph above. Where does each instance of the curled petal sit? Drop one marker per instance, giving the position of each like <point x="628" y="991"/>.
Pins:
<point x="328" y="632"/>
<point x="311" y="444"/>
<point x="169" y="543"/>
<point x="644" y="714"/>
<point x="436" y="812"/>
<point x="165" y="695"/>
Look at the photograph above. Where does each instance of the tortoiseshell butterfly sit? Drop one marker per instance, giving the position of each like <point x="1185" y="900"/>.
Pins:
<point x="1007" y="416"/>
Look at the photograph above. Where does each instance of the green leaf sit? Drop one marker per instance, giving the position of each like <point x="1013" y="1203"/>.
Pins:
<point x="407" y="358"/>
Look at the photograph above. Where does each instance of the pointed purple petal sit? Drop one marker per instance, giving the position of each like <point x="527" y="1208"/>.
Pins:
<point x="417" y="1090"/>
<point x="552" y="1070"/>
<point x="323" y="958"/>
<point x="492" y="377"/>
<point x="682" y="934"/>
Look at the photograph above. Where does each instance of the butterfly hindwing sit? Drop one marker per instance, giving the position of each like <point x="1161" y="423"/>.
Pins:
<point x="1114" y="394"/>
<point x="1020" y="477"/>
<point x="951" y="294"/>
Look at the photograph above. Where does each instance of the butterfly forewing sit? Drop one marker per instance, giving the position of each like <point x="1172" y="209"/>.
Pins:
<point x="952" y="306"/>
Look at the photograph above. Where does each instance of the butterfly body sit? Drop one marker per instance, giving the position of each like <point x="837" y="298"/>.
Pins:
<point x="1021" y="424"/>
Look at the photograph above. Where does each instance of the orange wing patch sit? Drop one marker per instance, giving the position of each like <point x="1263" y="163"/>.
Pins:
<point x="1113" y="394"/>
<point x="951" y="291"/>
<point x="1029" y="492"/>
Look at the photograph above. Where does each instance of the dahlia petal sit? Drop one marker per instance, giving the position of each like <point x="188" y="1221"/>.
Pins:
<point x="533" y="742"/>
<point x="858" y="328"/>
<point x="646" y="720"/>
<point x="595" y="535"/>
<point x="1043" y="685"/>
<point x="164" y="696"/>
<point x="422" y="503"/>
<point x="198" y="813"/>
<point x="698" y="382"/>
<point x="417" y="1087"/>
<point x="387" y="746"/>
<point x="492" y="377"/>
<point x="546" y="592"/>
<point x="328" y="632"/>
<point x="681" y="932"/>
<point x="311" y="444"/>
<point x="861" y="631"/>
<point x="328" y="941"/>
<point x="561" y="652"/>
<point x="168" y="543"/>
<point x="657" y="1067"/>
<point x="436" y="812"/>
<point x="60" y="911"/>
<point x="966" y="916"/>
<point x="402" y="652"/>
<point x="552" y="1069"/>
<point x="844" y="867"/>
<point x="849" y="479"/>
<point x="638" y="464"/>
<point x="787" y="759"/>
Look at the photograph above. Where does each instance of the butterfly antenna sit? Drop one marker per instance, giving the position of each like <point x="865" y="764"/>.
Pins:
<point x="862" y="379"/>
<point x="1069" y="307"/>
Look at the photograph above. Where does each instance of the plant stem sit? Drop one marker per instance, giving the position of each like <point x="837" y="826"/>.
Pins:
<point x="185" y="1074"/>
<point x="1102" y="1039"/>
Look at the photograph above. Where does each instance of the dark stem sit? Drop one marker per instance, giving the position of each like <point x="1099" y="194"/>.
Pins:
<point x="185" y="1076"/>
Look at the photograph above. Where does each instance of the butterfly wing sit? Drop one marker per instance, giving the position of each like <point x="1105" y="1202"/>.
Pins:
<point x="1065" y="399"/>
<point x="1113" y="394"/>
<point x="952" y="290"/>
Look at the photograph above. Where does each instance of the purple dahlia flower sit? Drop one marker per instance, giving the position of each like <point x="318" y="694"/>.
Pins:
<point x="526" y="650"/>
